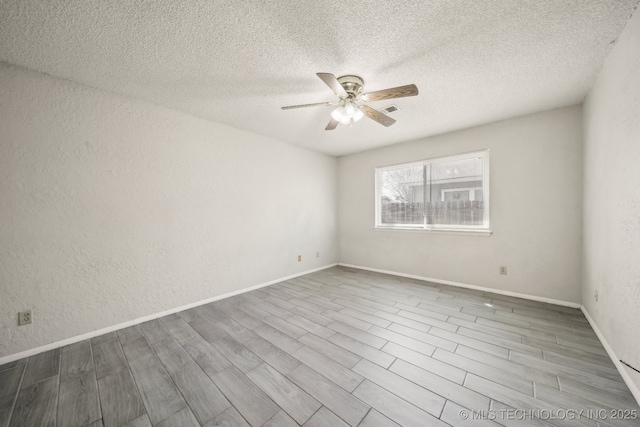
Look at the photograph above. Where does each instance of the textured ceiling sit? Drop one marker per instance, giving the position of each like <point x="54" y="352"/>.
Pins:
<point x="237" y="62"/>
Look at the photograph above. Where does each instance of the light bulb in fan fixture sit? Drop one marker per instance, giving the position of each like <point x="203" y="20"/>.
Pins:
<point x="352" y="111"/>
<point x="338" y="113"/>
<point x="345" y="120"/>
<point x="358" y="114"/>
<point x="349" y="109"/>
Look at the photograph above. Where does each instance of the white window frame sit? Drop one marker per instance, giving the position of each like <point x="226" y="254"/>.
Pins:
<point x="479" y="228"/>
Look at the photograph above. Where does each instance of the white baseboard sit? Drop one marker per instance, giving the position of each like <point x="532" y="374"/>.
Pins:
<point x="633" y="388"/>
<point x="88" y="335"/>
<point x="465" y="285"/>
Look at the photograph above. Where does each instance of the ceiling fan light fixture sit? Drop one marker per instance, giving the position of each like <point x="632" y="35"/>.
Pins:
<point x="347" y="112"/>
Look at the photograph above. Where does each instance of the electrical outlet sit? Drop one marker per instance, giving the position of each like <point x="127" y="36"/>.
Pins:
<point x="24" y="317"/>
<point x="318" y="254"/>
<point x="299" y="258"/>
<point x="595" y="295"/>
<point x="503" y="269"/>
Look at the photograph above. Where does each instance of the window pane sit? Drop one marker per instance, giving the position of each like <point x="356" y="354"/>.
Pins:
<point x="456" y="193"/>
<point x="402" y="195"/>
<point x="441" y="193"/>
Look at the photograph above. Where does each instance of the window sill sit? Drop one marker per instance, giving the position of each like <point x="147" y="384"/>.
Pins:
<point x="464" y="232"/>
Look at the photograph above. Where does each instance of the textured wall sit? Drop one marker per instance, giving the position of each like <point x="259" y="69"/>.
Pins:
<point x="612" y="199"/>
<point x="112" y="209"/>
<point x="536" y="199"/>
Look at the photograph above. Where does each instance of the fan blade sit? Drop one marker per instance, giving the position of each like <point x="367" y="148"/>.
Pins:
<point x="376" y="115"/>
<point x="395" y="92"/>
<point x="333" y="83"/>
<point x="317" y="104"/>
<point x="333" y="123"/>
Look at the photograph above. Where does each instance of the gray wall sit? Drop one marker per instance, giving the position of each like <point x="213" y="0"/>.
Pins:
<point x="612" y="200"/>
<point x="536" y="209"/>
<point x="114" y="209"/>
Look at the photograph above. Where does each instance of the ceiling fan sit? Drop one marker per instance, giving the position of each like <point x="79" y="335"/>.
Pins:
<point x="350" y="108"/>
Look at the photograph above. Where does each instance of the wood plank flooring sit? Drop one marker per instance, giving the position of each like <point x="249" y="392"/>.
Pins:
<point x="339" y="347"/>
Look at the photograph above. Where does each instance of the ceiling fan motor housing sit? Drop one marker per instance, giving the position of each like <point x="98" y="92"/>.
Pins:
<point x="353" y="85"/>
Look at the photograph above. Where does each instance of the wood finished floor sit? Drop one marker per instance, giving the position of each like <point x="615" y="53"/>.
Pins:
<point x="333" y="348"/>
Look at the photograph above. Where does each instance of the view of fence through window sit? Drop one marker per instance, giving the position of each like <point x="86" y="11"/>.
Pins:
<point x="441" y="192"/>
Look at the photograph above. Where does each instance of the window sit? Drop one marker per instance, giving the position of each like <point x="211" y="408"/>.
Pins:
<point x="447" y="193"/>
